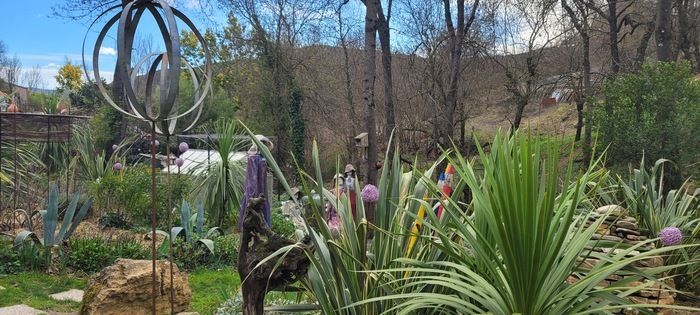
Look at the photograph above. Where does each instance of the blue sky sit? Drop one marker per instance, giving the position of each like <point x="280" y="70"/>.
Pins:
<point x="29" y="30"/>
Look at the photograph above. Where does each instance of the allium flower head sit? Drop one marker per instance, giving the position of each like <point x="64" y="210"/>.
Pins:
<point x="117" y="166"/>
<point x="179" y="162"/>
<point x="183" y="147"/>
<point x="370" y="193"/>
<point x="670" y="236"/>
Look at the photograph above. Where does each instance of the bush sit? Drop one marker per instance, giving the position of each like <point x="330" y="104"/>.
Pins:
<point x="9" y="260"/>
<point x="89" y="254"/>
<point x="655" y="112"/>
<point x="95" y="253"/>
<point x="127" y="194"/>
<point x="193" y="255"/>
<point x="114" y="220"/>
<point x="280" y="224"/>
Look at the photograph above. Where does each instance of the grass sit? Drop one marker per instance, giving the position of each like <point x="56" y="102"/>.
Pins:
<point x="210" y="288"/>
<point x="34" y="288"/>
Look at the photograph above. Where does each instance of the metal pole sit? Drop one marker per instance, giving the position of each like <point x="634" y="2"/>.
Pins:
<point x="14" y="118"/>
<point x="1" y="194"/>
<point x="170" y="222"/>
<point x="153" y="218"/>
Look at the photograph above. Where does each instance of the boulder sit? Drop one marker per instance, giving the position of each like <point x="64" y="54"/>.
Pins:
<point x="125" y="288"/>
<point x="612" y="210"/>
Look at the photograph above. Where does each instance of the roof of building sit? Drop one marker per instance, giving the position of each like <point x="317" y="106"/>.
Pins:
<point x="196" y="161"/>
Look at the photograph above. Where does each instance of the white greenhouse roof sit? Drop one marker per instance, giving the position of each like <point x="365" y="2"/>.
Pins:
<point x="196" y="161"/>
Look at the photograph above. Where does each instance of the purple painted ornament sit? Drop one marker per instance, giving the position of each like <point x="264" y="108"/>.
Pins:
<point x="117" y="166"/>
<point x="370" y="193"/>
<point x="670" y="236"/>
<point x="183" y="147"/>
<point x="179" y="162"/>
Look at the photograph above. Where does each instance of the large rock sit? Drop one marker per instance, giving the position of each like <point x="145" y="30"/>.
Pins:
<point x="125" y="288"/>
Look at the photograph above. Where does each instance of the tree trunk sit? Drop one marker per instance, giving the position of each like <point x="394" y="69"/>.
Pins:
<point x="588" y="91"/>
<point x="368" y="87"/>
<point x="520" y="108"/>
<point x="257" y="242"/>
<point x="612" y="36"/>
<point x="664" y="45"/>
<point x="642" y="48"/>
<point x="684" y="29"/>
<point x="385" y="43"/>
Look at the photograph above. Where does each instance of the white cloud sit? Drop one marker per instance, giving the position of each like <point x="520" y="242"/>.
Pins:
<point x="108" y="51"/>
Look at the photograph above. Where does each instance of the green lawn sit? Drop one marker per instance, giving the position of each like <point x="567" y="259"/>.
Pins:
<point x="210" y="288"/>
<point x="33" y="289"/>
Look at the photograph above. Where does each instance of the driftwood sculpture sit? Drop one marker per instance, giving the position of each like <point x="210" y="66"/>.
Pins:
<point x="258" y="242"/>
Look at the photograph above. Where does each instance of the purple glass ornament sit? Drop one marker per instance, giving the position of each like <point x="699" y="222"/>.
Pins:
<point x="117" y="166"/>
<point x="370" y="193"/>
<point x="670" y="236"/>
<point x="179" y="162"/>
<point x="183" y="147"/>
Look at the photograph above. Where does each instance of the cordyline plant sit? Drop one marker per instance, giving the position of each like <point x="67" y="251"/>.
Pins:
<point x="509" y="251"/>
<point x="513" y="250"/>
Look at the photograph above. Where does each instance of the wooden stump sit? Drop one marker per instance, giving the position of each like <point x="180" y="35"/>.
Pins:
<point x="258" y="242"/>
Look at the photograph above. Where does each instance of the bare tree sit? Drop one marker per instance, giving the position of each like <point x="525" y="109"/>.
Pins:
<point x="369" y="77"/>
<point x="11" y="71"/>
<point x="33" y="80"/>
<point x="664" y="35"/>
<point x="524" y="31"/>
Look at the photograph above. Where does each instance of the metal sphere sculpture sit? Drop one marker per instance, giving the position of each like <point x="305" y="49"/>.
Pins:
<point x="164" y="68"/>
<point x="162" y="77"/>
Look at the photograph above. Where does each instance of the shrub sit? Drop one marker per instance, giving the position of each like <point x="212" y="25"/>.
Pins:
<point x="92" y="254"/>
<point x="114" y="220"/>
<point x="226" y="250"/>
<point x="655" y="112"/>
<point x="9" y="259"/>
<point x="127" y="193"/>
<point x="89" y="254"/>
<point x="280" y="224"/>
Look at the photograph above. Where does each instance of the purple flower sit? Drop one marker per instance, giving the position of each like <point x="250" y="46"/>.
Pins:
<point x="183" y="147"/>
<point x="117" y="166"/>
<point x="114" y="147"/>
<point x="179" y="162"/>
<point x="670" y="236"/>
<point x="370" y="193"/>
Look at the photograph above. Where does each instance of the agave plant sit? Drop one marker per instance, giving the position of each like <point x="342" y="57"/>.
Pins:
<point x="71" y="220"/>
<point x="193" y="227"/>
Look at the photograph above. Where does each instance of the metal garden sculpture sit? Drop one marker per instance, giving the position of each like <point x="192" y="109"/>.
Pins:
<point x="154" y="96"/>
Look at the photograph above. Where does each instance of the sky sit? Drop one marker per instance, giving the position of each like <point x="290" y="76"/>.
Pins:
<point x="29" y="30"/>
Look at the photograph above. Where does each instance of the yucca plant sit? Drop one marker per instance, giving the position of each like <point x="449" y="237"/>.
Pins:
<point x="513" y="250"/>
<point x="193" y="227"/>
<point x="644" y="195"/>
<point x="18" y="168"/>
<point x="89" y="162"/>
<point x="343" y="265"/>
<point x="221" y="183"/>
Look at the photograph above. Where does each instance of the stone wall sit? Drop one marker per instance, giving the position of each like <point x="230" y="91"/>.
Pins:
<point x="618" y="227"/>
